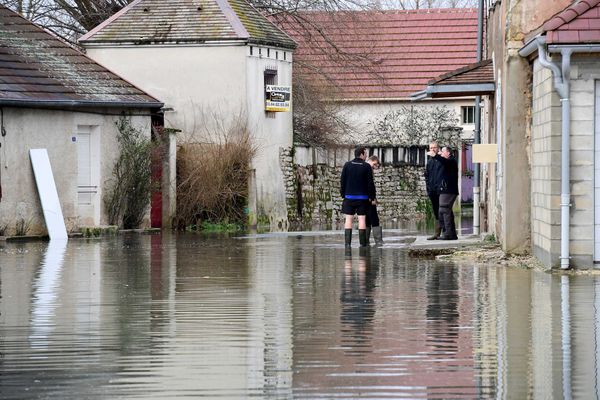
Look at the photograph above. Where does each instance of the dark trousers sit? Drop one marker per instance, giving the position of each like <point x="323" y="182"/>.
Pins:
<point x="372" y="217"/>
<point x="435" y="203"/>
<point x="446" y="215"/>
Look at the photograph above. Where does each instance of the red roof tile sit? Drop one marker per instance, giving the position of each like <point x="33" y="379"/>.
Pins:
<point x="381" y="55"/>
<point x="579" y="23"/>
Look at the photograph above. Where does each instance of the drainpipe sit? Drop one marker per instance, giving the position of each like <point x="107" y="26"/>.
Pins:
<point x="477" y="131"/>
<point x="562" y="86"/>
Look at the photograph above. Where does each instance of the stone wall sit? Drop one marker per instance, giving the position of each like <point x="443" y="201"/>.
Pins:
<point x="312" y="180"/>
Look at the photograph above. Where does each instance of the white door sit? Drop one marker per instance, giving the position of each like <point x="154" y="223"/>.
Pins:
<point x="88" y="168"/>
<point x="84" y="165"/>
<point x="597" y="175"/>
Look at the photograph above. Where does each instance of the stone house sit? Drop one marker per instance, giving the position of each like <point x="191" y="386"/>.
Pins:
<point x="541" y="195"/>
<point x="54" y="97"/>
<point x="211" y="62"/>
<point x="370" y="74"/>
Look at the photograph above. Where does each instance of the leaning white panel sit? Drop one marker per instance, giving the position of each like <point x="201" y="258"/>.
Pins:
<point x="44" y="179"/>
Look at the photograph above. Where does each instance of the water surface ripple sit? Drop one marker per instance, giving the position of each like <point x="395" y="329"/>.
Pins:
<point x="286" y="316"/>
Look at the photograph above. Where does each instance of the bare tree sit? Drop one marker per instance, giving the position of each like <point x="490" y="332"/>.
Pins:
<point x="68" y="19"/>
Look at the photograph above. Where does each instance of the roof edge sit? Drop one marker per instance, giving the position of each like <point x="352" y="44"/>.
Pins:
<point x="107" y="22"/>
<point x="79" y="104"/>
<point x="568" y="14"/>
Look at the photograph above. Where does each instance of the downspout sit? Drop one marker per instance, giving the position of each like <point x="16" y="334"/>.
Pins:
<point x="477" y="131"/>
<point x="562" y="85"/>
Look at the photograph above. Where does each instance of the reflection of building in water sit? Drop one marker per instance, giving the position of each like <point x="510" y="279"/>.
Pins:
<point x="270" y="318"/>
<point x="357" y="304"/>
<point x="538" y="334"/>
<point x="442" y="309"/>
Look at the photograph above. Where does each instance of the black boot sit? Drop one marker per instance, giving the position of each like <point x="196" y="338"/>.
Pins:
<point x="437" y="232"/>
<point x="378" y="235"/>
<point x="348" y="237"/>
<point x="362" y="237"/>
<point x="368" y="235"/>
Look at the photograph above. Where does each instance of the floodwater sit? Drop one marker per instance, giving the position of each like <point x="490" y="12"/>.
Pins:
<point x="286" y="316"/>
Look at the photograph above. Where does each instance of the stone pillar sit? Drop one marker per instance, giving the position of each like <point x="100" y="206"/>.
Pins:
<point x="516" y="229"/>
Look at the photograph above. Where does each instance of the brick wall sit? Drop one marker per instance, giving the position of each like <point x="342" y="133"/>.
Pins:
<point x="546" y="163"/>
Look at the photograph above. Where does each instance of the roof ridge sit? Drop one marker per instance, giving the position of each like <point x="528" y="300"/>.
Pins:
<point x="233" y="18"/>
<point x="108" y="21"/>
<point x="568" y="14"/>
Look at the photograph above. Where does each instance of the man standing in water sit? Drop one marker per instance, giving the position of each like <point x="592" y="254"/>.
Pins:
<point x="433" y="181"/>
<point x="358" y="190"/>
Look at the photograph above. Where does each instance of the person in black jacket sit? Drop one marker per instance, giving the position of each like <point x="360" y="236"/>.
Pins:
<point x="357" y="189"/>
<point x="433" y="180"/>
<point x="448" y="192"/>
<point x="372" y="215"/>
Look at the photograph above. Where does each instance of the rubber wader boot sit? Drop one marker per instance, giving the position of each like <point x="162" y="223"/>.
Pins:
<point x="368" y="235"/>
<point x="438" y="231"/>
<point x="378" y="235"/>
<point x="348" y="237"/>
<point x="362" y="237"/>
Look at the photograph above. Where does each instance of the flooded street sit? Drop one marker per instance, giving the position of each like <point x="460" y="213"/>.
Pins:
<point x="285" y="316"/>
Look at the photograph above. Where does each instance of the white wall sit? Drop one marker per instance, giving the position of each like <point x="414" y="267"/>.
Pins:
<point x="54" y="130"/>
<point x="272" y="131"/>
<point x="208" y="85"/>
<point x="193" y="81"/>
<point x="359" y="114"/>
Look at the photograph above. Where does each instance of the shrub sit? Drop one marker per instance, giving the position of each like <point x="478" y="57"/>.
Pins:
<point x="213" y="177"/>
<point x="127" y="195"/>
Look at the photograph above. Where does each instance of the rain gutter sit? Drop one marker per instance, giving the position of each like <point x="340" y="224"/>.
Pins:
<point x="561" y="76"/>
<point x="77" y="104"/>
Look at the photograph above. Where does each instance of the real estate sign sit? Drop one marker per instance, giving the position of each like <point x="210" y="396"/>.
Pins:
<point x="277" y="98"/>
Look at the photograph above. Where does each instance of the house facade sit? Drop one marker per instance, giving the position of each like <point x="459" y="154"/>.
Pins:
<point x="54" y="97"/>
<point x="210" y="62"/>
<point x="542" y="193"/>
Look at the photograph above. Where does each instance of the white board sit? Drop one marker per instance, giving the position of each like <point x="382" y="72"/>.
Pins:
<point x="44" y="179"/>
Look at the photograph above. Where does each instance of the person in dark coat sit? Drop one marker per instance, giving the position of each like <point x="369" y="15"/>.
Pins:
<point x="433" y="180"/>
<point x="448" y="192"/>
<point x="357" y="189"/>
<point x="372" y="215"/>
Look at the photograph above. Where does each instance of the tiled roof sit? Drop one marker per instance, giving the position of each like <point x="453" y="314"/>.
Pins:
<point x="476" y="79"/>
<point x="381" y="55"/>
<point x="36" y="67"/>
<point x="578" y="23"/>
<point x="188" y="21"/>
<point x="481" y="72"/>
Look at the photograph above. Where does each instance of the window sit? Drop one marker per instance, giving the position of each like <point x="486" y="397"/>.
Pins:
<point x="270" y="79"/>
<point x="468" y="115"/>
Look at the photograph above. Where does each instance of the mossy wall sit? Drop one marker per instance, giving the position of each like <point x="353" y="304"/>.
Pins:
<point x="313" y="190"/>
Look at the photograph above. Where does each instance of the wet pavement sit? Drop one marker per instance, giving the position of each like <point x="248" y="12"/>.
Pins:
<point x="286" y="316"/>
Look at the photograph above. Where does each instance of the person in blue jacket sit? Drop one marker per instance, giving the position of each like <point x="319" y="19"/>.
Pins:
<point x="357" y="189"/>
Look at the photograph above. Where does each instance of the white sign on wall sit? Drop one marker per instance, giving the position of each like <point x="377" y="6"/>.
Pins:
<point x="277" y="98"/>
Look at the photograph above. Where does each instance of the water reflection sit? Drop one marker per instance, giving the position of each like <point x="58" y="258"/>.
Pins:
<point x="45" y="293"/>
<point x="357" y="303"/>
<point x="164" y="316"/>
